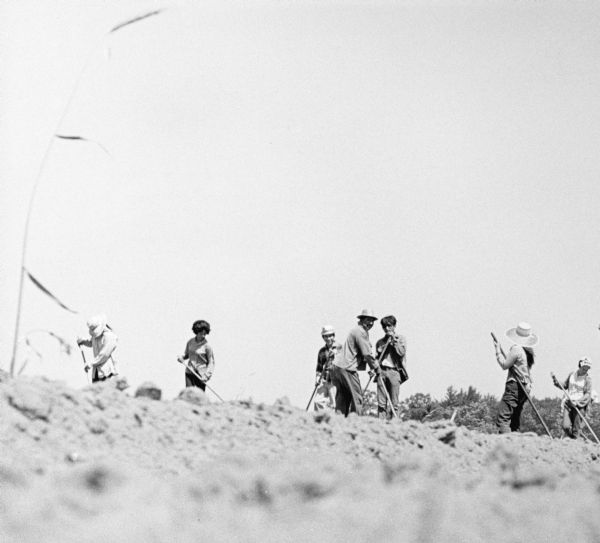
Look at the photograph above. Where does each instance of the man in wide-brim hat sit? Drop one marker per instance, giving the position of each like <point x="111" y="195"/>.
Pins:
<point x="518" y="362"/>
<point x="356" y="353"/>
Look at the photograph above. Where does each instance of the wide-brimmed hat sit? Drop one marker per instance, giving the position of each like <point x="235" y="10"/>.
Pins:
<point x="522" y="335"/>
<point x="327" y="330"/>
<point x="366" y="314"/>
<point x="97" y="324"/>
<point x="585" y="361"/>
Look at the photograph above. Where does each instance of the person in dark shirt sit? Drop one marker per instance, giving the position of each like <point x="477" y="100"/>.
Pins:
<point x="325" y="395"/>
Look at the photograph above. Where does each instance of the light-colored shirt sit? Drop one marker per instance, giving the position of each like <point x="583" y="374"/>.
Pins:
<point x="356" y="350"/>
<point x="579" y="387"/>
<point x="104" y="365"/>
<point x="201" y="357"/>
<point x="516" y="362"/>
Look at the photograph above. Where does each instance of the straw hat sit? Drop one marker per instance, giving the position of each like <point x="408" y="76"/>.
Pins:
<point x="366" y="314"/>
<point x="97" y="324"/>
<point x="522" y="335"/>
<point x="327" y="330"/>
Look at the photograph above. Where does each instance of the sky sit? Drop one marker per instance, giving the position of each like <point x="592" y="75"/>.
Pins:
<point x="272" y="168"/>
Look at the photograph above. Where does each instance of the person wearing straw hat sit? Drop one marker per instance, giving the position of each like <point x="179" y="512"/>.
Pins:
<point x="325" y="394"/>
<point x="578" y="385"/>
<point x="103" y="342"/>
<point x="391" y="352"/>
<point x="356" y="353"/>
<point x="518" y="362"/>
<point x="200" y="355"/>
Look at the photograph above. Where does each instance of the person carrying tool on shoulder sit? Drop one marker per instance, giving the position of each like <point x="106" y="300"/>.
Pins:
<point x="325" y="394"/>
<point x="518" y="362"/>
<point x="200" y="356"/>
<point x="578" y="386"/>
<point x="355" y="355"/>
<point x="391" y="352"/>
<point x="103" y="342"/>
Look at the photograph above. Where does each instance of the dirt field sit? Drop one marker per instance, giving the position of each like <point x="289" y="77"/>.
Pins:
<point x="101" y="465"/>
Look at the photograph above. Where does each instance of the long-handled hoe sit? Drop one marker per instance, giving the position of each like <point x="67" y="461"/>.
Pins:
<point x="189" y="367"/>
<point x="315" y="390"/>
<point x="576" y="410"/>
<point x="87" y="373"/>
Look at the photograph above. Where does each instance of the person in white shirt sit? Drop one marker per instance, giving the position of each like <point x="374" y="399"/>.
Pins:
<point x="103" y="342"/>
<point x="578" y="386"/>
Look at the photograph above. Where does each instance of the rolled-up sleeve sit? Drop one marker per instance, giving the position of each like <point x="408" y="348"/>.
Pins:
<point x="507" y="362"/>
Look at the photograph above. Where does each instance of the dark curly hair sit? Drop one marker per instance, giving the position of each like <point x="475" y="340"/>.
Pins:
<point x="200" y="325"/>
<point x="389" y="320"/>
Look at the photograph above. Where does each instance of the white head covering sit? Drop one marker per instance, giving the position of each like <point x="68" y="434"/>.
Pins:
<point x="97" y="325"/>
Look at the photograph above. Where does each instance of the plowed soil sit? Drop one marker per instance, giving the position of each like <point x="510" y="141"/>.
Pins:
<point x="99" y="464"/>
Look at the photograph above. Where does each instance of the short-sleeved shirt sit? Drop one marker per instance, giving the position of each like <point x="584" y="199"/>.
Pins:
<point x="201" y="356"/>
<point x="356" y="348"/>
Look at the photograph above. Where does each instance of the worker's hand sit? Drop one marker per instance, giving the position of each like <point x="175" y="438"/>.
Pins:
<point x="376" y="368"/>
<point x="317" y="379"/>
<point x="555" y="381"/>
<point x="80" y="340"/>
<point x="86" y="368"/>
<point x="180" y="360"/>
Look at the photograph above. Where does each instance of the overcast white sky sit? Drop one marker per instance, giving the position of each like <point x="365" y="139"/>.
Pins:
<point x="275" y="168"/>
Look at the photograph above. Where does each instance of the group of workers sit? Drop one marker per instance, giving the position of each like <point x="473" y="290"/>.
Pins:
<point x="337" y="382"/>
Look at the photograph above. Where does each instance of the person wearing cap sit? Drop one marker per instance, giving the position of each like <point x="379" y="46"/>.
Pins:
<point x="325" y="394"/>
<point x="103" y="342"/>
<point x="391" y="353"/>
<point x="200" y="356"/>
<point x="578" y="386"/>
<point x="356" y="353"/>
<point x="518" y="362"/>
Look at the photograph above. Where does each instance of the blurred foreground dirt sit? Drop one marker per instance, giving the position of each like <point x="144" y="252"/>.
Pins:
<point x="100" y="465"/>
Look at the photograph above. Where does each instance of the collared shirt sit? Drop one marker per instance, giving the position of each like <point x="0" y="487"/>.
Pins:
<point x="104" y="365"/>
<point x="356" y="350"/>
<point x="395" y="354"/>
<point x="516" y="364"/>
<point x="201" y="357"/>
<point x="326" y="357"/>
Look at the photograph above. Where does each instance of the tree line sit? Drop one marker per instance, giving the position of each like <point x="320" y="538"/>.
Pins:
<point x="478" y="411"/>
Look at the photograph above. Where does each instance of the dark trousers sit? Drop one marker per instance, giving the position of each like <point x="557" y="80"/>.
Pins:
<point x="390" y="379"/>
<point x="192" y="381"/>
<point x="348" y="395"/>
<point x="511" y="406"/>
<point x="97" y="379"/>
<point x="572" y="421"/>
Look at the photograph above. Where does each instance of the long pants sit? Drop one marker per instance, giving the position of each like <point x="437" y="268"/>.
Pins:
<point x="192" y="381"/>
<point x="511" y="405"/>
<point x="348" y="396"/>
<point x="390" y="379"/>
<point x="325" y="396"/>
<point x="572" y="421"/>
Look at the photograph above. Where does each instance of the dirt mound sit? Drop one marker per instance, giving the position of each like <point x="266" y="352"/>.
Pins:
<point x="98" y="464"/>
